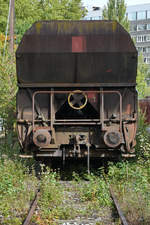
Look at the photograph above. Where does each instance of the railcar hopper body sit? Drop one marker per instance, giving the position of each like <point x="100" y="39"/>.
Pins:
<point x="77" y="89"/>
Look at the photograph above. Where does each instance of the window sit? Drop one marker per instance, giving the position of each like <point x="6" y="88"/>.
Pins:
<point x="132" y="16"/>
<point x="95" y="18"/>
<point x="95" y="8"/>
<point x="144" y="49"/>
<point x="142" y="38"/>
<point x="148" y="38"/>
<point x="139" y="49"/>
<point x="148" y="49"/>
<point x="86" y="18"/>
<point x="148" y="60"/>
<point x="148" y="14"/>
<point x="133" y="28"/>
<point x="148" y="26"/>
<point x="141" y="15"/>
<point x="138" y="39"/>
<point x="141" y="27"/>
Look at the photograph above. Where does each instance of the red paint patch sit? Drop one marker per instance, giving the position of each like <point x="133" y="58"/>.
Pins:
<point x="109" y="71"/>
<point x="128" y="109"/>
<point x="92" y="97"/>
<point x="78" y="44"/>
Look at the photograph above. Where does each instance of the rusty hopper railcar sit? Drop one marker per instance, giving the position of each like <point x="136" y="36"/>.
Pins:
<point x="77" y="91"/>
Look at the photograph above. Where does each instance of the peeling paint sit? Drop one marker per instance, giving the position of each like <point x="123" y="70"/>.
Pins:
<point x="114" y="26"/>
<point x="38" y="27"/>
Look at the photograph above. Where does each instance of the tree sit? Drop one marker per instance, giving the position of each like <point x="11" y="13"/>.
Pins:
<point x="142" y="72"/>
<point x="29" y="11"/>
<point x="116" y="10"/>
<point x="3" y="14"/>
<point x="8" y="91"/>
<point x="60" y="9"/>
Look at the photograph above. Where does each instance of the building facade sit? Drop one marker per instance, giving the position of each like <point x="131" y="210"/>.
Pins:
<point x="94" y="13"/>
<point x="139" y="17"/>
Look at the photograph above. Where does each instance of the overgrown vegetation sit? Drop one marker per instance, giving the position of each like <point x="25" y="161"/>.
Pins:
<point x="63" y="200"/>
<point x="116" y="10"/>
<point x="131" y="180"/>
<point x="17" y="184"/>
<point x="8" y="89"/>
<point x="60" y="201"/>
<point x="29" y="11"/>
<point x="131" y="183"/>
<point x="142" y="75"/>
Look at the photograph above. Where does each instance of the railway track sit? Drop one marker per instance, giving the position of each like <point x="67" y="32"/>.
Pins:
<point x="33" y="206"/>
<point x="117" y="206"/>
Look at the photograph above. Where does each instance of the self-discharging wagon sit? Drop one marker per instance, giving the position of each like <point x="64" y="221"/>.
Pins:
<point x="77" y="91"/>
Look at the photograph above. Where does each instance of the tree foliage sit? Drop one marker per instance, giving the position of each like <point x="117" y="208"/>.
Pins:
<point x="142" y="72"/>
<point x="8" y="89"/>
<point x="29" y="11"/>
<point x="116" y="10"/>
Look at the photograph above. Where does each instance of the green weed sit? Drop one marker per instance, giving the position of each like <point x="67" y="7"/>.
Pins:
<point x="17" y="185"/>
<point x="95" y="190"/>
<point x="131" y="183"/>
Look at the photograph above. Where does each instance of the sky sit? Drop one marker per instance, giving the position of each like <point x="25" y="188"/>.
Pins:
<point x="101" y="3"/>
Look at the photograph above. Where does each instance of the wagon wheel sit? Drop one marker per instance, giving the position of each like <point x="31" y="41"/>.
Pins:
<point x="77" y="100"/>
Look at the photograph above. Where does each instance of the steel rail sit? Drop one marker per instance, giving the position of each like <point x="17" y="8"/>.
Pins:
<point x="32" y="209"/>
<point x="116" y="204"/>
<point x="119" y="211"/>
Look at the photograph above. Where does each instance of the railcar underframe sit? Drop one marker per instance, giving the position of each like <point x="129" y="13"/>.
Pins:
<point x="50" y="125"/>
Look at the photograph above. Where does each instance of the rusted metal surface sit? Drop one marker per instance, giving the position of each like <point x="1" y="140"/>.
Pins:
<point x="60" y="35"/>
<point x="145" y="108"/>
<point x="112" y="138"/>
<point x="77" y="83"/>
<point x="41" y="137"/>
<point x="129" y="134"/>
<point x="68" y="92"/>
<point x="72" y="85"/>
<point x="120" y="213"/>
<point x="103" y="46"/>
<point x="81" y="123"/>
<point x="32" y="209"/>
<point x="77" y="99"/>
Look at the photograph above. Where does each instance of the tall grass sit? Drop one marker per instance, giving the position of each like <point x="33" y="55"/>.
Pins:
<point x="131" y="179"/>
<point x="17" y="184"/>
